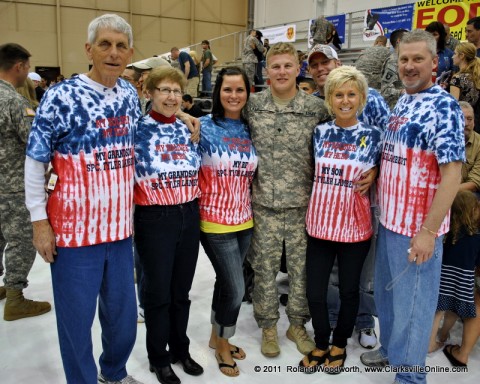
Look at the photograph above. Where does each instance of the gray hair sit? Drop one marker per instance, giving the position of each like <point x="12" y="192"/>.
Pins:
<point x="466" y="105"/>
<point x="109" y="21"/>
<point x="419" y="35"/>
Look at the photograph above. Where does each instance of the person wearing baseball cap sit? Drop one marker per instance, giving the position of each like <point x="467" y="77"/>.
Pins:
<point x="322" y="59"/>
<point x="145" y="67"/>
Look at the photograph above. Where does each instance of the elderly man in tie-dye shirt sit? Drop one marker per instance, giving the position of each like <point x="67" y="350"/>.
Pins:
<point x="85" y="128"/>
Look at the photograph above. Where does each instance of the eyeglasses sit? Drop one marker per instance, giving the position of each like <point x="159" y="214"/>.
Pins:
<point x="166" y="91"/>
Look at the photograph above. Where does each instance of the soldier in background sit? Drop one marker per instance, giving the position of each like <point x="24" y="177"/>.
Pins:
<point x="391" y="86"/>
<point x="370" y="63"/>
<point x="16" y="118"/>
<point x="321" y="31"/>
<point x="450" y="42"/>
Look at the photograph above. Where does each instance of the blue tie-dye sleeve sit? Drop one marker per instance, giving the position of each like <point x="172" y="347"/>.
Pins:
<point x="376" y="111"/>
<point x="449" y="139"/>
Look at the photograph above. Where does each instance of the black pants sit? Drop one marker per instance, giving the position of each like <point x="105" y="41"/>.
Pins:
<point x="321" y="255"/>
<point x="167" y="240"/>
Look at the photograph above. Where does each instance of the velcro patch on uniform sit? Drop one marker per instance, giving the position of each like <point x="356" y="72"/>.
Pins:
<point x="29" y="112"/>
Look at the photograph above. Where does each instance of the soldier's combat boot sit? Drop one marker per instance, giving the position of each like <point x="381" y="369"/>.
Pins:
<point x="270" y="346"/>
<point x="17" y="307"/>
<point x="3" y="293"/>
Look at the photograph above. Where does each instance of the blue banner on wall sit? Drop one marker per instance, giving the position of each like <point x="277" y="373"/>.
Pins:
<point x="383" y="21"/>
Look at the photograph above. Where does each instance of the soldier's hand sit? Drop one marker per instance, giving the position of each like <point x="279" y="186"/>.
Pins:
<point x="44" y="240"/>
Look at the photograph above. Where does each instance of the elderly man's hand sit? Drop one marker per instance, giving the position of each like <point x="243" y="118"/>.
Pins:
<point x="192" y="123"/>
<point x="44" y="240"/>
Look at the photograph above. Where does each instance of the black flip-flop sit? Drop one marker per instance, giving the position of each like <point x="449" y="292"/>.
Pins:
<point x="331" y="358"/>
<point x="236" y="350"/>
<point x="447" y="351"/>
<point x="225" y="365"/>
<point x="311" y="357"/>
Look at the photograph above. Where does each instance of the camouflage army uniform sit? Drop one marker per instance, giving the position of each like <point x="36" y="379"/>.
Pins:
<point x="249" y="59"/>
<point x="281" y="191"/>
<point x="321" y="31"/>
<point x="370" y="63"/>
<point x="392" y="86"/>
<point x="452" y="43"/>
<point x="16" y="229"/>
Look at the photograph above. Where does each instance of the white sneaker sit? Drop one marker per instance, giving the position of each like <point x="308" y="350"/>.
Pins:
<point x="367" y="338"/>
<point x="141" y="316"/>
<point x="126" y="380"/>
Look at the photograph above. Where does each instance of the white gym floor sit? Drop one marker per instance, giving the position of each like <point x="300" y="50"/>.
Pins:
<point x="29" y="351"/>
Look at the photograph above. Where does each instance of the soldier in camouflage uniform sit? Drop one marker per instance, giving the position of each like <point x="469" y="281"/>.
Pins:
<point x="392" y="87"/>
<point x="249" y="59"/>
<point x="15" y="121"/>
<point x="321" y="31"/>
<point x="370" y="63"/>
<point x="282" y="131"/>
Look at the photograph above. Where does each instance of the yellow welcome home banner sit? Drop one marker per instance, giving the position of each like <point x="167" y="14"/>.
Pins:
<point x="455" y="13"/>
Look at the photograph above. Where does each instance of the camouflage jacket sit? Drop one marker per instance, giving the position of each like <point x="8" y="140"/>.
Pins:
<point x="283" y="140"/>
<point x="321" y="31"/>
<point x="370" y="63"/>
<point x="248" y="55"/>
<point x="16" y="118"/>
<point x="392" y="86"/>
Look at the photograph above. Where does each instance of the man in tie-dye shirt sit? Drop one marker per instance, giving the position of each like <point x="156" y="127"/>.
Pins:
<point x="85" y="128"/>
<point x="420" y="170"/>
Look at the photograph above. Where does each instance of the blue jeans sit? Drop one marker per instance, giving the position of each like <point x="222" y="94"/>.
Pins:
<point x="227" y="252"/>
<point x="406" y="310"/>
<point x="207" y="82"/>
<point x="167" y="239"/>
<point x="80" y="276"/>
<point x="139" y="274"/>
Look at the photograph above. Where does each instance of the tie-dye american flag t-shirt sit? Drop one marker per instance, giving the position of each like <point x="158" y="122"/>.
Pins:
<point x="166" y="162"/>
<point x="229" y="161"/>
<point x="336" y="212"/>
<point x="424" y="130"/>
<point x="86" y="130"/>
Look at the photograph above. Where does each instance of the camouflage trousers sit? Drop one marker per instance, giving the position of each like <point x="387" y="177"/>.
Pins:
<point x="16" y="233"/>
<point x="250" y="70"/>
<point x="272" y="227"/>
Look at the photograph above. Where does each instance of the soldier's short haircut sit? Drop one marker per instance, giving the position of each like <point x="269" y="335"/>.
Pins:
<point x="281" y="49"/>
<point x="109" y="21"/>
<point x="419" y="35"/>
<point x="11" y="54"/>
<point x="396" y="35"/>
<point x="342" y="75"/>
<point x="475" y="21"/>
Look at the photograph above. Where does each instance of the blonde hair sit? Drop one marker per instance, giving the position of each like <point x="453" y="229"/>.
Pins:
<point x="281" y="49"/>
<point x="469" y="52"/>
<point x="342" y="75"/>
<point x="27" y="90"/>
<point x="165" y="73"/>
